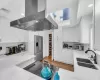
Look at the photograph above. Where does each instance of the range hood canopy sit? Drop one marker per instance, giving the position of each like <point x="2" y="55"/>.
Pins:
<point x="33" y="20"/>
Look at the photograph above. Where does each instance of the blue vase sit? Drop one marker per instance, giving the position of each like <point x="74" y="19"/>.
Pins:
<point x="56" y="76"/>
<point x="46" y="73"/>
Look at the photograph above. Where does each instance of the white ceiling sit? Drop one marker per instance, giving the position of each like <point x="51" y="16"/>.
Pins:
<point x="78" y="8"/>
<point x="54" y="5"/>
<point x="17" y="7"/>
<point x="83" y="8"/>
<point x="61" y="4"/>
<point x="4" y="3"/>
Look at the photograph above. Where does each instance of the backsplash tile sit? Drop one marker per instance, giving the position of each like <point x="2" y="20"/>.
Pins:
<point x="75" y="46"/>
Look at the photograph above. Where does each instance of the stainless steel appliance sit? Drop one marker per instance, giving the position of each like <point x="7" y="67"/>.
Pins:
<point x="35" y="19"/>
<point x="38" y="47"/>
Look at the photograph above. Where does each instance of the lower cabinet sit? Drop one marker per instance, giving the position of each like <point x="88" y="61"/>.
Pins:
<point x="67" y="56"/>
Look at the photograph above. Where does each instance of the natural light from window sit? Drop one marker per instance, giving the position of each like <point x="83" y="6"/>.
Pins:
<point x="61" y="15"/>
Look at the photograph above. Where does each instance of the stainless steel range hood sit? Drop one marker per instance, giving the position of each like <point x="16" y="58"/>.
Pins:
<point x="34" y="20"/>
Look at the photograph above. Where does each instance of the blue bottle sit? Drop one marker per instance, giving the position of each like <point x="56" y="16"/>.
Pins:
<point x="56" y="76"/>
<point x="46" y="73"/>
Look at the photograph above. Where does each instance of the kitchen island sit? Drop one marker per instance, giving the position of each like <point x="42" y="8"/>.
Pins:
<point x="11" y="68"/>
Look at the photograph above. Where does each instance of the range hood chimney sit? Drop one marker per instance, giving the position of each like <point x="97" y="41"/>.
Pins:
<point x="34" y="19"/>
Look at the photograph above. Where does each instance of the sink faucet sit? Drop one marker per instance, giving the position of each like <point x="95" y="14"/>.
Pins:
<point x="95" y="61"/>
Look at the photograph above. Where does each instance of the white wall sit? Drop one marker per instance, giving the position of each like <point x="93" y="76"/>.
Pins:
<point x="10" y="34"/>
<point x="71" y="34"/>
<point x="73" y="13"/>
<point x="45" y="35"/>
<point x="58" y="44"/>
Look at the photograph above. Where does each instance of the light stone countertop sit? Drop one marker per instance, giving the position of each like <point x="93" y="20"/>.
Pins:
<point x="9" y="70"/>
<point x="84" y="72"/>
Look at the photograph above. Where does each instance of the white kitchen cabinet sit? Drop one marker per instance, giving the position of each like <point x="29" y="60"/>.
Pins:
<point x="67" y="56"/>
<point x="85" y="26"/>
<point x="71" y="34"/>
<point x="97" y="26"/>
<point x="61" y="35"/>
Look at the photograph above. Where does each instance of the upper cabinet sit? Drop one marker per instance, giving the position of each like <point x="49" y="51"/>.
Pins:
<point x="97" y="25"/>
<point x="71" y="34"/>
<point x="85" y="27"/>
<point x="80" y="32"/>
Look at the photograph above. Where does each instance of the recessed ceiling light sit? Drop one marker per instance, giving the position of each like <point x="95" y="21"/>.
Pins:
<point x="90" y="5"/>
<point x="37" y="21"/>
<point x="22" y="14"/>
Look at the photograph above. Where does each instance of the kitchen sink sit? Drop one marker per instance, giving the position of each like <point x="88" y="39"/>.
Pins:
<point x="87" y="65"/>
<point x="84" y="60"/>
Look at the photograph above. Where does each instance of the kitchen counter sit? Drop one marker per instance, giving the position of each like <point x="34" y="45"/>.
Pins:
<point x="14" y="59"/>
<point x="11" y="68"/>
<point x="84" y="72"/>
<point x="80" y="73"/>
<point x="16" y="73"/>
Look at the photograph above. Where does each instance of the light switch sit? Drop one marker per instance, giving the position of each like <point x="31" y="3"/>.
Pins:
<point x="0" y="39"/>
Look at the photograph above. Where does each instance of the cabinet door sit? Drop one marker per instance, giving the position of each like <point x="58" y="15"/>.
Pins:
<point x="71" y="34"/>
<point x="67" y="56"/>
<point x="85" y="26"/>
<point x="97" y="25"/>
